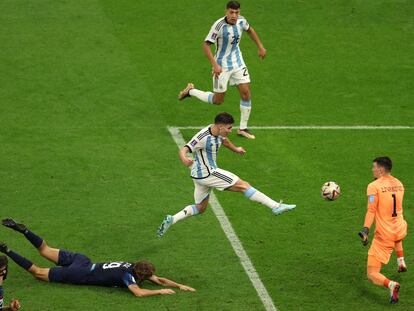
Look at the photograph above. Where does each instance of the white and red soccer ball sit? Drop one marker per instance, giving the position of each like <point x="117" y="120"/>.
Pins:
<point x="330" y="191"/>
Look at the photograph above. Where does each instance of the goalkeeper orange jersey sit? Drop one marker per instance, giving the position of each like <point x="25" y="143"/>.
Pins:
<point x="385" y="203"/>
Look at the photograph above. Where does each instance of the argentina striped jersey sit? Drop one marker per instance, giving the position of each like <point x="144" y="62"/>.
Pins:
<point x="204" y="145"/>
<point x="227" y="39"/>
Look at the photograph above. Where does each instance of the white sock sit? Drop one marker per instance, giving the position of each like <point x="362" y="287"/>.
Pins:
<point x="257" y="196"/>
<point x="245" y="108"/>
<point x="400" y="261"/>
<point x="206" y="97"/>
<point x="188" y="211"/>
<point x="391" y="285"/>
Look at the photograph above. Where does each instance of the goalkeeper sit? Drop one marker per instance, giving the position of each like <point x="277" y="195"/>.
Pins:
<point x="385" y="197"/>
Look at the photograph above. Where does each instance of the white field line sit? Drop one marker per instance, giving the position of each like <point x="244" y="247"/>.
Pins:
<point x="316" y="127"/>
<point x="232" y="237"/>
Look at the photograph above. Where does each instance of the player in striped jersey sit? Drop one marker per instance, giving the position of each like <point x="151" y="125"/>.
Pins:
<point x="207" y="175"/>
<point x="228" y="64"/>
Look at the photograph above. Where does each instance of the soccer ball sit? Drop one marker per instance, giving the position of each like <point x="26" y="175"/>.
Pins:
<point x="330" y="191"/>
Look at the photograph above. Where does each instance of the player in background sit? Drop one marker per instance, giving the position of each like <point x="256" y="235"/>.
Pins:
<point x="385" y="206"/>
<point x="228" y="64"/>
<point x="76" y="268"/>
<point x="207" y="176"/>
<point x="14" y="304"/>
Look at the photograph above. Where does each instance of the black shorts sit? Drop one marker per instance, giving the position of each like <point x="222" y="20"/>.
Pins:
<point x="74" y="268"/>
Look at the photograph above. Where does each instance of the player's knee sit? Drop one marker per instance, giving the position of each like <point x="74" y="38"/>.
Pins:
<point x="201" y="208"/>
<point x="218" y="99"/>
<point x="243" y="185"/>
<point x="245" y="95"/>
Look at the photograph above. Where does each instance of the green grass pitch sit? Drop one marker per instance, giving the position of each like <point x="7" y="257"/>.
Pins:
<point x="87" y="89"/>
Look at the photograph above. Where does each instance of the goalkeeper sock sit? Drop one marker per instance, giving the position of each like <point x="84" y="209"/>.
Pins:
<point x="257" y="196"/>
<point x="206" y="97"/>
<point x="188" y="211"/>
<point x="400" y="261"/>
<point x="20" y="260"/>
<point x="33" y="238"/>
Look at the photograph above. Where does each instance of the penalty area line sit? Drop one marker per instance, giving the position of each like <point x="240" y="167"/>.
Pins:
<point x="231" y="235"/>
<point x="316" y="127"/>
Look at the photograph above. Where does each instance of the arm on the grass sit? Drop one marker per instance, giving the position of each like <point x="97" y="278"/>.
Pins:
<point x="166" y="282"/>
<point x="142" y="292"/>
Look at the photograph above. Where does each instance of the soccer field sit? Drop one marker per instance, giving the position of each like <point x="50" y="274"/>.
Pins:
<point x="88" y="91"/>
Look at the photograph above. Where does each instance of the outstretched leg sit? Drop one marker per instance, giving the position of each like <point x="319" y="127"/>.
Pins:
<point x="257" y="196"/>
<point x="190" y="210"/>
<point x="39" y="273"/>
<point x="51" y="254"/>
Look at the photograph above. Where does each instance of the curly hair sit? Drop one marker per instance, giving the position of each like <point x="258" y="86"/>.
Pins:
<point x="144" y="270"/>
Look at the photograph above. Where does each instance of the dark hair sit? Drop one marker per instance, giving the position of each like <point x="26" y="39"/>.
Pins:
<point x="224" y="118"/>
<point x="233" y="5"/>
<point x="144" y="270"/>
<point x="384" y="162"/>
<point x="3" y="261"/>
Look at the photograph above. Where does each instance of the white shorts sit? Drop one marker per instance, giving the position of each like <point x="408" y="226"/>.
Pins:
<point x="218" y="179"/>
<point x="235" y="77"/>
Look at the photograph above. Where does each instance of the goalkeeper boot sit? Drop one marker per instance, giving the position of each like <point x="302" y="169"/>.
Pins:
<point x="10" y="223"/>
<point x="402" y="268"/>
<point x="283" y="208"/>
<point x="394" y="289"/>
<point x="166" y="223"/>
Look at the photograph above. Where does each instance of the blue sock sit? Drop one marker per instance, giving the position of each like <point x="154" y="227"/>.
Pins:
<point x="249" y="192"/>
<point x="195" y="210"/>
<point x="21" y="261"/>
<point x="33" y="238"/>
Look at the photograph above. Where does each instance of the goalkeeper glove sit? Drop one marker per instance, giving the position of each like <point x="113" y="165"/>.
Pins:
<point x="363" y="234"/>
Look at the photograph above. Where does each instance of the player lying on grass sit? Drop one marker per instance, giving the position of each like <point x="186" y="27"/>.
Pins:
<point x="385" y="198"/>
<point x="76" y="268"/>
<point x="14" y="304"/>
<point x="207" y="176"/>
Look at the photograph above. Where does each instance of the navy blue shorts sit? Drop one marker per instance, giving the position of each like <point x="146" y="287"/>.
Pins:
<point x="74" y="268"/>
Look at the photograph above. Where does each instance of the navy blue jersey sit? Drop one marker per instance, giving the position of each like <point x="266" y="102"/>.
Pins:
<point x="76" y="268"/>
<point x="112" y="274"/>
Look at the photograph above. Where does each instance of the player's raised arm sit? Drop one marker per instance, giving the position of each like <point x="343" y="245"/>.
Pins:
<point x="183" y="156"/>
<point x="166" y="282"/>
<point x="253" y="35"/>
<point x="228" y="144"/>
<point x="142" y="292"/>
